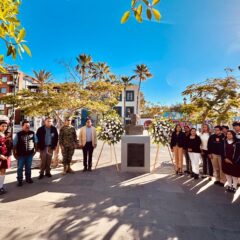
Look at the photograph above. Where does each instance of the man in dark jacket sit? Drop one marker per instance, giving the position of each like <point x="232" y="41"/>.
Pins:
<point x="47" y="141"/>
<point x="215" y="150"/>
<point x="24" y="148"/>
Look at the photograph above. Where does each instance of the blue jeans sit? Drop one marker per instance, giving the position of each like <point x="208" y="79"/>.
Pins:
<point x="27" y="162"/>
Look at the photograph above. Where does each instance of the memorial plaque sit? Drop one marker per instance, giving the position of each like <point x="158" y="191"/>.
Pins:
<point x="135" y="155"/>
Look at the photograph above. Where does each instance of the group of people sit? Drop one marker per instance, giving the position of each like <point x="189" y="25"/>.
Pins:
<point x="219" y="153"/>
<point x="26" y="143"/>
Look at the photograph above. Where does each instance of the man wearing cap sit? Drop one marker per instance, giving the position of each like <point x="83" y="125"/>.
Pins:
<point x="88" y="141"/>
<point x="67" y="142"/>
<point x="47" y="141"/>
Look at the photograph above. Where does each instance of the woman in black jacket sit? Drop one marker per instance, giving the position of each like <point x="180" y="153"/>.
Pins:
<point x="231" y="161"/>
<point x="194" y="151"/>
<point x="177" y="144"/>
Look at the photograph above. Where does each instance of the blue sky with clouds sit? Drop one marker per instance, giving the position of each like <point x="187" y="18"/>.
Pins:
<point x="196" y="40"/>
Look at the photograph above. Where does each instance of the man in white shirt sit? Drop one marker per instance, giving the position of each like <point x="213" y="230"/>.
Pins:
<point x="88" y="141"/>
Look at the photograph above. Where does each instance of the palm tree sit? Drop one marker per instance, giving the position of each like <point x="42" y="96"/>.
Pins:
<point x="84" y="64"/>
<point x="101" y="71"/>
<point x="143" y="74"/>
<point x="125" y="81"/>
<point x="42" y="77"/>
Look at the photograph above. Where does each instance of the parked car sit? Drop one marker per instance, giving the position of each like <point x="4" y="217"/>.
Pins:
<point x="147" y="123"/>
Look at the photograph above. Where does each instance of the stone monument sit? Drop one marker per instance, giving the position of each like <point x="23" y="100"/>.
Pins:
<point x="135" y="148"/>
<point x="133" y="128"/>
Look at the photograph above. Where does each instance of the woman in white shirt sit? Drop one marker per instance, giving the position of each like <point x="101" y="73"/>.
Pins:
<point x="207" y="164"/>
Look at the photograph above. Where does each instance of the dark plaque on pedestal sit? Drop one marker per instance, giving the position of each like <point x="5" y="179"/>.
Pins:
<point x="135" y="155"/>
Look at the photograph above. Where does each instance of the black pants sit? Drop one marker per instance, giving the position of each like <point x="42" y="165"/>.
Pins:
<point x="188" y="161"/>
<point x="87" y="155"/>
<point x="207" y="164"/>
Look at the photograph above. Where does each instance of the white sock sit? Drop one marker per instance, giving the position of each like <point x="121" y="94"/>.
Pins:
<point x="229" y="180"/>
<point x="235" y="182"/>
<point x="2" y="177"/>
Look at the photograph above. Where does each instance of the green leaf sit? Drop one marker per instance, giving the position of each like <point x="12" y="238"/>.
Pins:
<point x="156" y="14"/>
<point x="2" y="69"/>
<point x="155" y="2"/>
<point x="149" y="14"/>
<point x="125" y="17"/>
<point x="1" y="59"/>
<point x="146" y="2"/>
<point x="133" y="3"/>
<point x="139" y="9"/>
<point x="21" y="35"/>
<point x="27" y="49"/>
<point x="9" y="51"/>
<point x="138" y="17"/>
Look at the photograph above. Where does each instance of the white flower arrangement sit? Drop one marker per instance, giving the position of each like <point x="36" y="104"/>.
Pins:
<point x="110" y="129"/>
<point x="161" y="131"/>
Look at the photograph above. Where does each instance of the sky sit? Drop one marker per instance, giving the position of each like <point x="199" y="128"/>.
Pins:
<point x="195" y="40"/>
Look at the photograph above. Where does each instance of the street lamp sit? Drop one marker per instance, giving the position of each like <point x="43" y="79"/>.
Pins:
<point x="185" y="102"/>
<point x="15" y="76"/>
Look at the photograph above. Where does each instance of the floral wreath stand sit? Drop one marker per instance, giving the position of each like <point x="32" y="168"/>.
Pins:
<point x="112" y="154"/>
<point x="157" y="154"/>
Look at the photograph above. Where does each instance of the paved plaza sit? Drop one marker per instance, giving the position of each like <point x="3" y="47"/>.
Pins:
<point x="106" y="204"/>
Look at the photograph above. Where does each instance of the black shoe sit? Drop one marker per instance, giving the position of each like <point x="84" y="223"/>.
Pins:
<point x="176" y="172"/>
<point x="192" y="175"/>
<point x="41" y="176"/>
<point x="186" y="172"/>
<point x="29" y="180"/>
<point x="20" y="184"/>
<point x="85" y="169"/>
<point x="216" y="182"/>
<point x="221" y="184"/>
<point x="2" y="191"/>
<point x="89" y="169"/>
<point x="196" y="176"/>
<point x="48" y="175"/>
<point x="203" y="176"/>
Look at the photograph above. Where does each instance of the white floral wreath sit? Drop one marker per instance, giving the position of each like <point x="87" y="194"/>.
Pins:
<point x="110" y="129"/>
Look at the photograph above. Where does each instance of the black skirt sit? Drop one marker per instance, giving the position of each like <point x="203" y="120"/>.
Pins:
<point x="3" y="164"/>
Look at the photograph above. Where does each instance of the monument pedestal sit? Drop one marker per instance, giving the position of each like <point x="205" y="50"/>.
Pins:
<point x="135" y="154"/>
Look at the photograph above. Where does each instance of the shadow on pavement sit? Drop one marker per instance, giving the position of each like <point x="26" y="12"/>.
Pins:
<point x="106" y="204"/>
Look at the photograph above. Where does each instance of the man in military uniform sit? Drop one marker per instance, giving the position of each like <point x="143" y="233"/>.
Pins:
<point x="67" y="142"/>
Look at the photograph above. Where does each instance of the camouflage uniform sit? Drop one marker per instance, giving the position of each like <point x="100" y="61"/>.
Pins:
<point x="67" y="139"/>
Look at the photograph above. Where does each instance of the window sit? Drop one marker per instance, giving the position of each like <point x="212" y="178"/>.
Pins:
<point x="118" y="110"/>
<point x="129" y="110"/>
<point x="3" y="90"/>
<point x="130" y="96"/>
<point x="4" y="79"/>
<point x="120" y="97"/>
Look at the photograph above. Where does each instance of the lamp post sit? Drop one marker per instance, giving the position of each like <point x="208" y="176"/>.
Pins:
<point x="15" y="84"/>
<point x="185" y="102"/>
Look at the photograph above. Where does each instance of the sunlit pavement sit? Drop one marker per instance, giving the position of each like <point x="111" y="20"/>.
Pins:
<point x="106" y="204"/>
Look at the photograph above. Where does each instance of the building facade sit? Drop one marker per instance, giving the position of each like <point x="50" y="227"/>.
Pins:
<point x="130" y="102"/>
<point x="10" y="83"/>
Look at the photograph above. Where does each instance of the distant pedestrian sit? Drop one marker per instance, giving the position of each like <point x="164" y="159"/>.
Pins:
<point x="194" y="152"/>
<point x="215" y="150"/>
<point x="68" y="143"/>
<point x="177" y="144"/>
<point x="24" y="148"/>
<point x="231" y="161"/>
<point x="236" y="127"/>
<point x="5" y="152"/>
<point x="88" y="141"/>
<point x="207" y="163"/>
<point x="185" y="150"/>
<point x="47" y="142"/>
